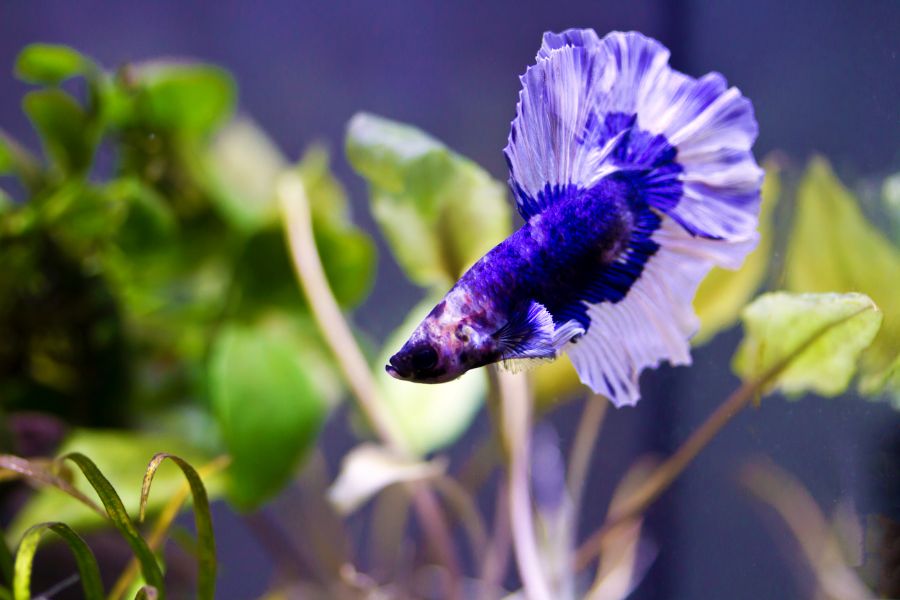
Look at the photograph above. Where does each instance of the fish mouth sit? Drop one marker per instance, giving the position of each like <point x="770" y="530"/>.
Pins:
<point x="395" y="369"/>
<point x="393" y="372"/>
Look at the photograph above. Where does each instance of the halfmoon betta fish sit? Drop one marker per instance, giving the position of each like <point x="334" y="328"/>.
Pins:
<point x="634" y="180"/>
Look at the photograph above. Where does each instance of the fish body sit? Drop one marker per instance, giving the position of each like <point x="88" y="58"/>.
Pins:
<point x="621" y="221"/>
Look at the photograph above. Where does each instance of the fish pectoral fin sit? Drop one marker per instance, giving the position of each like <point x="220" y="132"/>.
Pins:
<point x="531" y="335"/>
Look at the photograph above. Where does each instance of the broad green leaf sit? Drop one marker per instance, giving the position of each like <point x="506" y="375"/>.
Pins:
<point x="189" y="98"/>
<point x="122" y="456"/>
<point x="244" y="164"/>
<point x="115" y="509"/>
<point x="367" y="469"/>
<point x="206" y="544"/>
<point x="780" y="326"/>
<point x="270" y="405"/>
<point x="50" y="64"/>
<point x="428" y="417"/>
<point x="723" y="293"/>
<point x="266" y="275"/>
<point x="439" y="211"/>
<point x="67" y="132"/>
<point x="88" y="570"/>
<point x="834" y="248"/>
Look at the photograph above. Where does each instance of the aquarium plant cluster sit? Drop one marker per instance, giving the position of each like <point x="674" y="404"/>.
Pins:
<point x="176" y="303"/>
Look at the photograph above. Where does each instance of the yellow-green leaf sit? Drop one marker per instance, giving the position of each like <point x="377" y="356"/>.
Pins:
<point x="723" y="293"/>
<point x="439" y="211"/>
<point x="244" y="164"/>
<point x="833" y="248"/>
<point x="50" y="64"/>
<point x="822" y="335"/>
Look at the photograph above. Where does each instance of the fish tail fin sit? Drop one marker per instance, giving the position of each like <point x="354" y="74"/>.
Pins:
<point x="594" y="107"/>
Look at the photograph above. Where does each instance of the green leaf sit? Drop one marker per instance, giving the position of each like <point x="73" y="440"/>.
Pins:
<point x="50" y="64"/>
<point x="779" y="326"/>
<point x="428" y="417"/>
<point x="122" y="456"/>
<point x="206" y="543"/>
<point x="67" y="133"/>
<point x="188" y="98"/>
<point x="119" y="517"/>
<point x="834" y="248"/>
<point x="88" y="570"/>
<point x="439" y="211"/>
<point x="244" y="164"/>
<point x="723" y="293"/>
<point x="266" y="274"/>
<point x="149" y="222"/>
<point x="270" y="406"/>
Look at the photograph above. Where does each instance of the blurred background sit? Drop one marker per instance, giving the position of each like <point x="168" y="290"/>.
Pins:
<point x="824" y="77"/>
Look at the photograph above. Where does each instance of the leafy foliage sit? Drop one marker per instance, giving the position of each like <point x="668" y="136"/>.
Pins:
<point x="834" y="248"/>
<point x="778" y="325"/>
<point x="119" y="455"/>
<point x="439" y="211"/>
<point x="269" y="407"/>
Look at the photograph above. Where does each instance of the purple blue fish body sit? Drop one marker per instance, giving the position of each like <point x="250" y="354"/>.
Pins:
<point x="633" y="180"/>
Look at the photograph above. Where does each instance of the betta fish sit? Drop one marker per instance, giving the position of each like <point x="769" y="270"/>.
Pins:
<point x="633" y="181"/>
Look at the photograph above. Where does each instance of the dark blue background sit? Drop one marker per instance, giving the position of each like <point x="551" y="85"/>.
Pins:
<point x="824" y="76"/>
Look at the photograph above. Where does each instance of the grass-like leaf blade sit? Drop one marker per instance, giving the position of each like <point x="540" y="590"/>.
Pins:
<point x="206" y="543"/>
<point x="84" y="558"/>
<point x="119" y="517"/>
<point x="40" y="475"/>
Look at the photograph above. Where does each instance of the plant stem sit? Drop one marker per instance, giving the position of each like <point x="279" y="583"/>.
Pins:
<point x="515" y="408"/>
<point x="582" y="449"/>
<point x="663" y="476"/>
<point x="350" y="359"/>
<point x="325" y="309"/>
<point x="497" y="555"/>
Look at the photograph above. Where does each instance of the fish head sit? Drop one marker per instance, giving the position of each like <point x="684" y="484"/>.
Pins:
<point x="444" y="346"/>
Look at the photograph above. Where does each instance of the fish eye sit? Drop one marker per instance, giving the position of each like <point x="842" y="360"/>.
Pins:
<point x="423" y="358"/>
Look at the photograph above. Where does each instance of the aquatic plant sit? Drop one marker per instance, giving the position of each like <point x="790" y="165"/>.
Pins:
<point x="192" y="299"/>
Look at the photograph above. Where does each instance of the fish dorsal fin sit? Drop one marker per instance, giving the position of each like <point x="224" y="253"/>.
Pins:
<point x="530" y="334"/>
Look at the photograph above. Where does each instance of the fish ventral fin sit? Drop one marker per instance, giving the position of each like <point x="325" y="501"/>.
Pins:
<point x="530" y="337"/>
